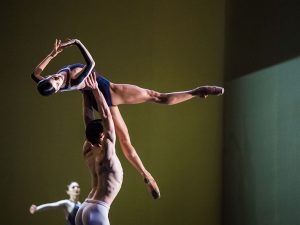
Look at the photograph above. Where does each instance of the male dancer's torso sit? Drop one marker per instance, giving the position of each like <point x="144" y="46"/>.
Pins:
<point x="106" y="172"/>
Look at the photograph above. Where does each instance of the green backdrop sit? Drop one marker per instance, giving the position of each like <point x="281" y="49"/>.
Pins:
<point x="163" y="45"/>
<point x="261" y="132"/>
<point x="261" y="157"/>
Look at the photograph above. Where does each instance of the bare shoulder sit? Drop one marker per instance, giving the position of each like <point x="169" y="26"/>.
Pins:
<point x="65" y="201"/>
<point x="62" y="203"/>
<point x="66" y="204"/>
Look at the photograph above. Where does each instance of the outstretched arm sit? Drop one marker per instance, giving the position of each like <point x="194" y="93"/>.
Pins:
<point x="59" y="204"/>
<point x="57" y="48"/>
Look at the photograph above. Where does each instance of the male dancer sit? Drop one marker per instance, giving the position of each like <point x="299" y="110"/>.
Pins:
<point x="101" y="159"/>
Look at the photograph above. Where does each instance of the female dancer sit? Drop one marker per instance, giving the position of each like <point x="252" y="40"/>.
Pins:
<point x="69" y="206"/>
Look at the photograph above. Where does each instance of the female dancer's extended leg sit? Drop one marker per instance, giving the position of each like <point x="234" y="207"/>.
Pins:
<point x="132" y="94"/>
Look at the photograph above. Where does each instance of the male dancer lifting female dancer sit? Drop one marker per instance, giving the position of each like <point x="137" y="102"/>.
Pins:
<point x="69" y="206"/>
<point x="71" y="77"/>
<point x="101" y="159"/>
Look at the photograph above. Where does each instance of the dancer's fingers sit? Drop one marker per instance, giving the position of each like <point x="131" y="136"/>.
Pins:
<point x="88" y="81"/>
<point x="94" y="77"/>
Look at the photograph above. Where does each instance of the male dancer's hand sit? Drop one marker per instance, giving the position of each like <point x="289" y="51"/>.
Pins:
<point x="91" y="82"/>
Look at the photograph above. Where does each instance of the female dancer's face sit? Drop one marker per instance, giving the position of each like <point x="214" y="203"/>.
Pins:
<point x="74" y="189"/>
<point x="57" y="81"/>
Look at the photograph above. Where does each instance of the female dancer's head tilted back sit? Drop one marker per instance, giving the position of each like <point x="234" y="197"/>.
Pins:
<point x="62" y="80"/>
<point x="50" y="84"/>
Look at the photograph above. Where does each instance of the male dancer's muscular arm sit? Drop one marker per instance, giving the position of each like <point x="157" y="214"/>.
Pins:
<point x="88" y="112"/>
<point x="104" y="111"/>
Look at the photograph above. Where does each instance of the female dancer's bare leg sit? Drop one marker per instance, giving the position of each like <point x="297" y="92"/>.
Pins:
<point x="132" y="94"/>
<point x="130" y="153"/>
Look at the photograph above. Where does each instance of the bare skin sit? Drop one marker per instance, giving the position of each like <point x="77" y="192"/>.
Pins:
<point x="105" y="169"/>
<point x="101" y="159"/>
<point x="124" y="94"/>
<point x="66" y="205"/>
<point x="59" y="80"/>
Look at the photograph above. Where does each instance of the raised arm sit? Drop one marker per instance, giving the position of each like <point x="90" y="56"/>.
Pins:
<point x="104" y="111"/>
<point x="88" y="113"/>
<point x="90" y="64"/>
<point x="57" y="48"/>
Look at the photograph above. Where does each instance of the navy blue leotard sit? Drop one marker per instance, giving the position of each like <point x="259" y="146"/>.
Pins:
<point x="103" y="84"/>
<point x="72" y="84"/>
<point x="72" y="215"/>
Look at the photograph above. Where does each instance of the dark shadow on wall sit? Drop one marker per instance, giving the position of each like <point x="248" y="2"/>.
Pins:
<point x="260" y="33"/>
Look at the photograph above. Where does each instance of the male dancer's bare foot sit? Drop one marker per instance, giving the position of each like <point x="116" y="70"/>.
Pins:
<point x="152" y="187"/>
<point x="205" y="91"/>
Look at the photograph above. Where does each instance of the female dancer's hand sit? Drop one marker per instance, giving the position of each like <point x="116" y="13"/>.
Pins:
<point x="69" y="42"/>
<point x="32" y="209"/>
<point x="57" y="48"/>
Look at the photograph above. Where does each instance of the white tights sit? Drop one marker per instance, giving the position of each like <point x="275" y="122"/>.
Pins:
<point x="93" y="212"/>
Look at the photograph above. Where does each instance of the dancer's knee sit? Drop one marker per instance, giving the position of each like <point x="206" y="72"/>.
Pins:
<point x="158" y="97"/>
